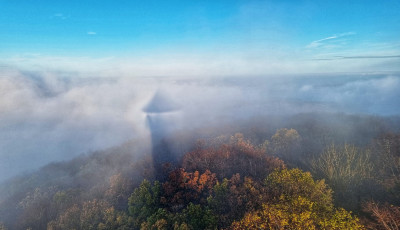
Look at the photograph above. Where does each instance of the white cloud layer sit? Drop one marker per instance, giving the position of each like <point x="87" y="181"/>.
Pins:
<point x="206" y="64"/>
<point x="48" y="116"/>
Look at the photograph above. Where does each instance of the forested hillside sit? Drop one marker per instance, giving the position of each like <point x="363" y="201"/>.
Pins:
<point x="306" y="171"/>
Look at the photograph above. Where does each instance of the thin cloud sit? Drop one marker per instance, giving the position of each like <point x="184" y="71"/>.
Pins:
<point x="59" y="16"/>
<point x="357" y="57"/>
<point x="324" y="39"/>
<point x="91" y="33"/>
<point x="321" y="42"/>
<point x="373" y="56"/>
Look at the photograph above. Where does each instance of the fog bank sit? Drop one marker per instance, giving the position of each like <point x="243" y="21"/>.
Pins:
<point x="46" y="117"/>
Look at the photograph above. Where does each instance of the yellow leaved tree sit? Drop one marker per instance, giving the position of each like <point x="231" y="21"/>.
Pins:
<point x="297" y="201"/>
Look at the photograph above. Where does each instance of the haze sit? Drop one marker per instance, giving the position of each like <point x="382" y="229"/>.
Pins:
<point x="74" y="78"/>
<point x="47" y="118"/>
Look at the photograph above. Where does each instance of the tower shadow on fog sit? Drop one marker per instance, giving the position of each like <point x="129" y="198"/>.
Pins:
<point x="159" y="112"/>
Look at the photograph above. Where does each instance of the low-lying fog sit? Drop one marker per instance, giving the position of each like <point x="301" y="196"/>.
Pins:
<point x="46" y="117"/>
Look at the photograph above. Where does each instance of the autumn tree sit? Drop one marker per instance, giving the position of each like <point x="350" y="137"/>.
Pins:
<point x="36" y="209"/>
<point x="232" y="198"/>
<point x="70" y="219"/>
<point x="288" y="184"/>
<point x="226" y="158"/>
<point x="183" y="187"/>
<point x="94" y="214"/>
<point x="119" y="191"/>
<point x="298" y="214"/>
<point x="385" y="216"/>
<point x="297" y="201"/>
<point x="346" y="169"/>
<point x="285" y="144"/>
<point x="386" y="156"/>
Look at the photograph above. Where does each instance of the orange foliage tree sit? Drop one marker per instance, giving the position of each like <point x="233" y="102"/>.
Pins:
<point x="232" y="198"/>
<point x="228" y="158"/>
<point x="183" y="187"/>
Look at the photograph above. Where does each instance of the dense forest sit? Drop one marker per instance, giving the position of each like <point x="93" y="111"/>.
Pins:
<point x="304" y="171"/>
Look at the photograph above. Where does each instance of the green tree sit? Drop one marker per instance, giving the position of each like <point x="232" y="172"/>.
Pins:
<point x="144" y="201"/>
<point x="161" y="219"/>
<point x="198" y="217"/>
<point x="113" y="219"/>
<point x="192" y="217"/>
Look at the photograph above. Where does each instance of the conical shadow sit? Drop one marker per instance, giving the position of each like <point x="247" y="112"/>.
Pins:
<point x="158" y="111"/>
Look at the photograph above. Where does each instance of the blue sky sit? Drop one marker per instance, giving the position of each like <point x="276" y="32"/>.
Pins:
<point x="201" y="37"/>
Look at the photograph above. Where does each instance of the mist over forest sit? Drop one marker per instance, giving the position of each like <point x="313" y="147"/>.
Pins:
<point x="47" y="117"/>
<point x="73" y="144"/>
